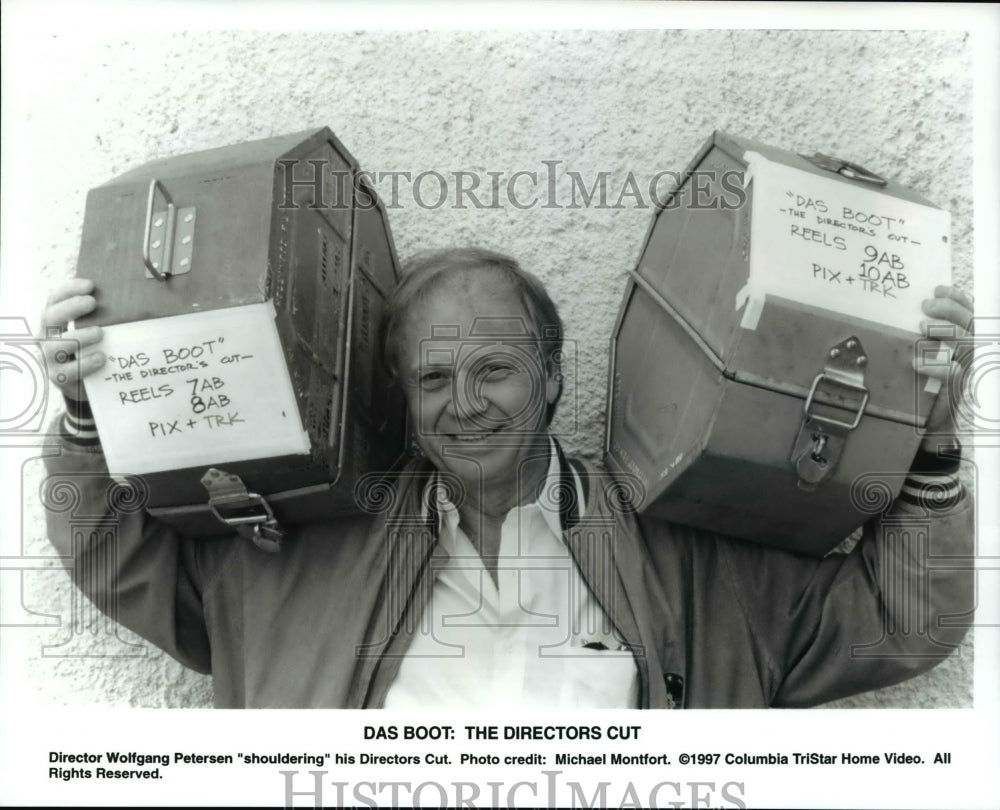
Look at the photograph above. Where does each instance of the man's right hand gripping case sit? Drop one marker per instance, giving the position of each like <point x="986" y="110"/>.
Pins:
<point x="240" y="291"/>
<point x="762" y="360"/>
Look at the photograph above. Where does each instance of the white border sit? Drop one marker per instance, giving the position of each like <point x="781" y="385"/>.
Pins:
<point x="972" y="734"/>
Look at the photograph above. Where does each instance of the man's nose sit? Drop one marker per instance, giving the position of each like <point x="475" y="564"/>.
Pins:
<point x="468" y="399"/>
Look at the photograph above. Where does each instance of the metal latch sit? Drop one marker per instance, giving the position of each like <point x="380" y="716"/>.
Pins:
<point x="168" y="238"/>
<point x="247" y="512"/>
<point x="838" y="388"/>
<point x="852" y="171"/>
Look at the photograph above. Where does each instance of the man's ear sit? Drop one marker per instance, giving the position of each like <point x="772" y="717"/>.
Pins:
<point x="553" y="386"/>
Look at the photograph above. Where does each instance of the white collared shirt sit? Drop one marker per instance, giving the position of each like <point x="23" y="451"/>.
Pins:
<point x="521" y="642"/>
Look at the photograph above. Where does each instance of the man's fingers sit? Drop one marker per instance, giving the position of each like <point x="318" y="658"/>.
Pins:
<point x="72" y="369"/>
<point x="72" y="355"/>
<point x="58" y="350"/>
<point x="87" y="336"/>
<point x="947" y="309"/>
<point x="944" y="331"/>
<point x="74" y="286"/>
<point x="938" y="369"/>
<point x="68" y="360"/>
<point x="954" y="293"/>
<point x="59" y="314"/>
<point x="944" y="361"/>
<point x="75" y="369"/>
<point x="951" y="384"/>
<point x="954" y="309"/>
<point x="943" y="351"/>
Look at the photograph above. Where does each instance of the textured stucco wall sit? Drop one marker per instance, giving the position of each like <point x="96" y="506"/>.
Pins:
<point x="81" y="109"/>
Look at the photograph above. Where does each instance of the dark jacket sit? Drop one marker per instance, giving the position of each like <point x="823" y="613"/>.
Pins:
<point x="712" y="622"/>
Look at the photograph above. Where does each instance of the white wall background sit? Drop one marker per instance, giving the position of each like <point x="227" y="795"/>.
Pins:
<point x="81" y="108"/>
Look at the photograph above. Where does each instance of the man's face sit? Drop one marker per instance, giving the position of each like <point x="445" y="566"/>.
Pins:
<point x="476" y="384"/>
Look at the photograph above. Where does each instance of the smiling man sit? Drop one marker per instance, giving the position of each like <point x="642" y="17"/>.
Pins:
<point x="464" y="336"/>
<point x="499" y="572"/>
<point x="476" y="343"/>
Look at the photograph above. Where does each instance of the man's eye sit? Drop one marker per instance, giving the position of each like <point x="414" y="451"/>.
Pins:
<point x="432" y="380"/>
<point x="495" y="372"/>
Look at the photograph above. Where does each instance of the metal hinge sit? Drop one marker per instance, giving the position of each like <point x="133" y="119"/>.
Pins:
<point x="168" y="238"/>
<point x="838" y="388"/>
<point x="246" y="512"/>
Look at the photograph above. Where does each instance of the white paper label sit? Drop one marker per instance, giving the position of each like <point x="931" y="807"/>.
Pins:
<point x="842" y="247"/>
<point x="191" y="390"/>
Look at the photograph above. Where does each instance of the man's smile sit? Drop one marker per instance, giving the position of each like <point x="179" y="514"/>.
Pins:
<point x="472" y="438"/>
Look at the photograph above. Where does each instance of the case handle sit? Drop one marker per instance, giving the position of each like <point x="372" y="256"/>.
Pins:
<point x="168" y="236"/>
<point x="852" y="171"/>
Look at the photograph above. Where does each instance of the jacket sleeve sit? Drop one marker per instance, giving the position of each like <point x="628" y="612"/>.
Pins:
<point x="135" y="569"/>
<point x="896" y="605"/>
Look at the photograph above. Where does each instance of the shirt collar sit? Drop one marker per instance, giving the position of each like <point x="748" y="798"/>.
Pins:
<point x="548" y="503"/>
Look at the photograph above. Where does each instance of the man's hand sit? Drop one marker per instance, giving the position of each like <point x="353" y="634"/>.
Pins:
<point x="950" y="312"/>
<point x="69" y="301"/>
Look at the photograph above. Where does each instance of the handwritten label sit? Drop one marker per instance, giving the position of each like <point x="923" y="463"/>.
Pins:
<point x="193" y="390"/>
<point x="841" y="247"/>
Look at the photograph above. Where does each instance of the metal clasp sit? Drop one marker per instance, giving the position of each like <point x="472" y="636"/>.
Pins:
<point x="828" y="420"/>
<point x="852" y="171"/>
<point x="253" y="501"/>
<point x="168" y="236"/>
<point x="821" y="438"/>
<point x="247" y="512"/>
